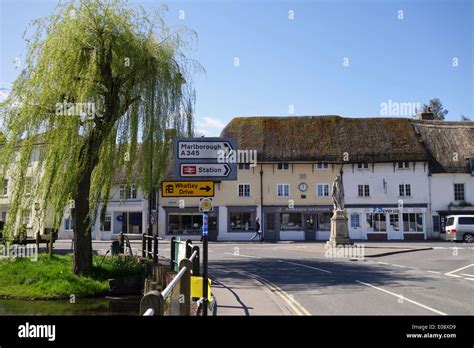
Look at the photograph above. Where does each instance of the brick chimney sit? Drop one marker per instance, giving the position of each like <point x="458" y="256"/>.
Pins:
<point x="426" y="114"/>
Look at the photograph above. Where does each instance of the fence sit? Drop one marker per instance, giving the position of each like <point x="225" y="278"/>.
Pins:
<point x="166" y="302"/>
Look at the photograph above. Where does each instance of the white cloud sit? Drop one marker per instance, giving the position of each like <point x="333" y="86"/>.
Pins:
<point x="200" y="132"/>
<point x="213" y="122"/>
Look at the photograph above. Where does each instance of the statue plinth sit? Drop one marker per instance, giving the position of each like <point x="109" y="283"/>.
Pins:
<point x="339" y="231"/>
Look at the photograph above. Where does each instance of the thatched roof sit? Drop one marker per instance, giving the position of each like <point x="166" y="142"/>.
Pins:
<point x="445" y="142"/>
<point x="327" y="138"/>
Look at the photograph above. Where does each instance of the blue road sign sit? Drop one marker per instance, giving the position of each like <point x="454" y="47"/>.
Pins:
<point x="205" y="223"/>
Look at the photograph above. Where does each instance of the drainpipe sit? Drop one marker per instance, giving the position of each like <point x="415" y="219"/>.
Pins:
<point x="261" y="202"/>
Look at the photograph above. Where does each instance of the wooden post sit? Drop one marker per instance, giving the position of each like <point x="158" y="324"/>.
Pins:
<point x="51" y="245"/>
<point x="189" y="246"/>
<point x="196" y="261"/>
<point x="154" y="300"/>
<point x="155" y="249"/>
<point x="185" y="288"/>
<point x="122" y="246"/>
<point x="173" y="252"/>
<point x="37" y="241"/>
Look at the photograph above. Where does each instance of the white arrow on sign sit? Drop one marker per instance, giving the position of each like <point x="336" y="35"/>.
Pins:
<point x="202" y="149"/>
<point x="204" y="170"/>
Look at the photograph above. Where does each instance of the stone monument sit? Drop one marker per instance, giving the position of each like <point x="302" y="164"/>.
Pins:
<point x="339" y="231"/>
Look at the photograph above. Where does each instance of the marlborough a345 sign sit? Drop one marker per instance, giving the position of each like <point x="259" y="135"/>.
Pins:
<point x="196" y="159"/>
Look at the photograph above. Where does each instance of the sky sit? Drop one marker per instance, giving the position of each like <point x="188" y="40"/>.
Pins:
<point x="355" y="58"/>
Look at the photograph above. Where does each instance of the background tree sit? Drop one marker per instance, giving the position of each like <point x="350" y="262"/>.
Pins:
<point x="437" y="109"/>
<point x="102" y="81"/>
<point x="464" y="118"/>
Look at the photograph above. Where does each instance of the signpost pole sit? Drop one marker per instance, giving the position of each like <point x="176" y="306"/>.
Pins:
<point x="205" y="228"/>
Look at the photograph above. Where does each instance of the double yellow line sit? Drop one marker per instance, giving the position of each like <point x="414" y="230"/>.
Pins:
<point x="289" y="300"/>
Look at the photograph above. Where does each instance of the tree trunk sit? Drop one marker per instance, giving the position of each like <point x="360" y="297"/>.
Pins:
<point x="82" y="261"/>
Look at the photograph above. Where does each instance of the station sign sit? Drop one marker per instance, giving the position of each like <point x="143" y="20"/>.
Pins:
<point x="203" y="159"/>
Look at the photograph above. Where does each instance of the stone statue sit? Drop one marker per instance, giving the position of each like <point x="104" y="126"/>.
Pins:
<point x="338" y="194"/>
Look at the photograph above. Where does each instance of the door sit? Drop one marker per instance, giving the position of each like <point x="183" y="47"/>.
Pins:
<point x="394" y="230"/>
<point x="269" y="232"/>
<point x="309" y="227"/>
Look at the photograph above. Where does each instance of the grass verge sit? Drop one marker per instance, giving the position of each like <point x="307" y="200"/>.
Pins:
<point x="52" y="278"/>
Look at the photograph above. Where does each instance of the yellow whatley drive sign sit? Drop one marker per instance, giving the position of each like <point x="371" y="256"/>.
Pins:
<point x="187" y="189"/>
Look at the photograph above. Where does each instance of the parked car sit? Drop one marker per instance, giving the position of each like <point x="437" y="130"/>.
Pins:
<point x="460" y="228"/>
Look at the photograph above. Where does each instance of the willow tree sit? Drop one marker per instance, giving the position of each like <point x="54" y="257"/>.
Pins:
<point x="102" y="82"/>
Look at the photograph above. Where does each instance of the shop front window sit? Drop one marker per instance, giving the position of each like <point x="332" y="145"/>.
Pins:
<point x="324" y="221"/>
<point x="241" y="221"/>
<point x="413" y="222"/>
<point x="394" y="222"/>
<point x="376" y="223"/>
<point x="290" y="222"/>
<point x="189" y="224"/>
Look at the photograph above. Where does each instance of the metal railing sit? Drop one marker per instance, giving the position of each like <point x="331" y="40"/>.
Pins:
<point x="155" y="302"/>
<point x="147" y="250"/>
<point x="190" y="250"/>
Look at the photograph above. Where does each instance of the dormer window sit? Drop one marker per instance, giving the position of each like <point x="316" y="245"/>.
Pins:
<point x="403" y="165"/>
<point x="283" y="166"/>
<point x="322" y="165"/>
<point x="362" y="165"/>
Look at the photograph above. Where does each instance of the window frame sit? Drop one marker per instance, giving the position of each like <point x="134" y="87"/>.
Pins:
<point x="249" y="190"/>
<point x="278" y="191"/>
<point x="457" y="193"/>
<point x="5" y="187"/>
<point x="244" y="166"/>
<point x="355" y="217"/>
<point x="324" y="185"/>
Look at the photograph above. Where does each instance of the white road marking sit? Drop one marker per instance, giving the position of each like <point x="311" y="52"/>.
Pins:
<point x="403" y="298"/>
<point x="435" y="272"/>
<point x="457" y="270"/>
<point x="440" y="248"/>
<point x="243" y="255"/>
<point x="382" y="263"/>
<point x="301" y="265"/>
<point x="398" y="265"/>
<point x="469" y="279"/>
<point x="467" y="275"/>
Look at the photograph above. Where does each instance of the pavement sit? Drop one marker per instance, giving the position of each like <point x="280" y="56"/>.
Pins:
<point x="302" y="278"/>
